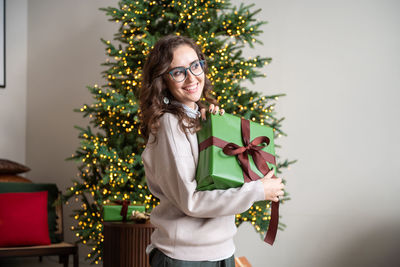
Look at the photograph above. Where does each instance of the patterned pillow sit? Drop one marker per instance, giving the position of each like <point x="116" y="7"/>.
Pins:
<point x="11" y="167"/>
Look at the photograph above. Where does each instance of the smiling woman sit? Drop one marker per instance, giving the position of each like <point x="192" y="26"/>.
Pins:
<point x="193" y="228"/>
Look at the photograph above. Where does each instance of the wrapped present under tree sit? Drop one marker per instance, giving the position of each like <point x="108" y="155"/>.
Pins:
<point x="120" y="211"/>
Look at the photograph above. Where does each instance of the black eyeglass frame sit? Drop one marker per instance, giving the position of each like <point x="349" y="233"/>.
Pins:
<point x="202" y="63"/>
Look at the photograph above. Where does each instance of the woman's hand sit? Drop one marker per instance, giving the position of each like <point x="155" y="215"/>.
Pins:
<point x="212" y="109"/>
<point x="273" y="187"/>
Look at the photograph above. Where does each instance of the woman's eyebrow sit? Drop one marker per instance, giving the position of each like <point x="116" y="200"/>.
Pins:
<point x="185" y="67"/>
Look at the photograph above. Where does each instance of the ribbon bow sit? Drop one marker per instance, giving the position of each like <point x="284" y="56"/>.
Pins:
<point x="124" y="209"/>
<point x="254" y="149"/>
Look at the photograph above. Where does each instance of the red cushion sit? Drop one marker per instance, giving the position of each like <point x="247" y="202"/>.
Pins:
<point x="23" y="219"/>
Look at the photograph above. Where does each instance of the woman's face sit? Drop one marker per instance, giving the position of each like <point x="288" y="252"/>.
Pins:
<point x="188" y="91"/>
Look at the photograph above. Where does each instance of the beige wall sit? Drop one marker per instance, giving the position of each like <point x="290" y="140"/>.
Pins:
<point x="337" y="62"/>
<point x="64" y="56"/>
<point x="13" y="97"/>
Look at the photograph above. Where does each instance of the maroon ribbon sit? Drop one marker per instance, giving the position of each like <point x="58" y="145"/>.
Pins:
<point x="124" y="209"/>
<point x="259" y="157"/>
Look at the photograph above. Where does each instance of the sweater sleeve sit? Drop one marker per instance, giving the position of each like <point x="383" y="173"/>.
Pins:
<point x="174" y="170"/>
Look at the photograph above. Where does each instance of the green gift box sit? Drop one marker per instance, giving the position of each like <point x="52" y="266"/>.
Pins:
<point x="232" y="150"/>
<point x="112" y="212"/>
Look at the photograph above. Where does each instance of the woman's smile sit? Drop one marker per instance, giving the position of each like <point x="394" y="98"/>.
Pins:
<point x="192" y="88"/>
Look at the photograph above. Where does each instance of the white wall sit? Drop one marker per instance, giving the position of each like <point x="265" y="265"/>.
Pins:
<point x="337" y="61"/>
<point x="64" y="56"/>
<point x="13" y="96"/>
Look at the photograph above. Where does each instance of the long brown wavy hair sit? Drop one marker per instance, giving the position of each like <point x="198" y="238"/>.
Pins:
<point x="154" y="87"/>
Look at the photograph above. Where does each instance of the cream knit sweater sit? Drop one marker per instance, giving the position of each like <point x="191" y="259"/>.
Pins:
<point x="190" y="225"/>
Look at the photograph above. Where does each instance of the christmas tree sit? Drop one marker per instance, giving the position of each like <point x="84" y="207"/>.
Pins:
<point x="110" y="148"/>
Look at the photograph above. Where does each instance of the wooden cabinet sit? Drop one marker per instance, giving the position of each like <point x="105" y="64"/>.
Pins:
<point x="125" y="244"/>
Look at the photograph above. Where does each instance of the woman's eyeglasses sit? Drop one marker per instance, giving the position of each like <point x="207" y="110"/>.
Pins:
<point x="179" y="74"/>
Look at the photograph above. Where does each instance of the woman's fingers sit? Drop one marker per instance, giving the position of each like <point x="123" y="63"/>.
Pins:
<point x="211" y="108"/>
<point x="203" y="113"/>
<point x="278" y="195"/>
<point x="273" y="188"/>
<point x="270" y="174"/>
<point x="215" y="110"/>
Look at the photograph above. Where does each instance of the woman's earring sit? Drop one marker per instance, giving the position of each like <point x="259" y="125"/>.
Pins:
<point x="166" y="100"/>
